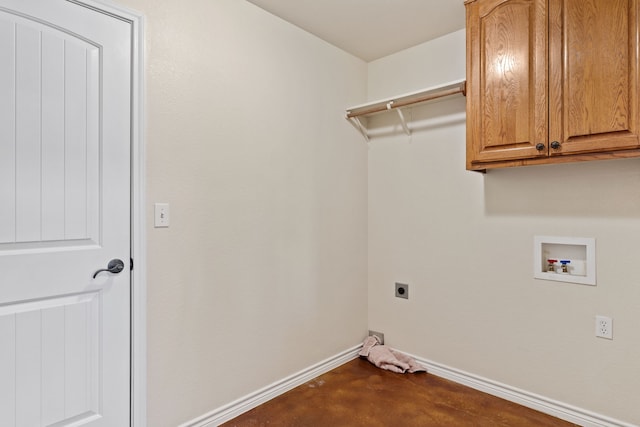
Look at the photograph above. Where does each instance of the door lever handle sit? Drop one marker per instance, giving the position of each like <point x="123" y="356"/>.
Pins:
<point x="115" y="266"/>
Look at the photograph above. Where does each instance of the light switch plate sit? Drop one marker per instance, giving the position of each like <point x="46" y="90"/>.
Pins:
<point x="161" y="211"/>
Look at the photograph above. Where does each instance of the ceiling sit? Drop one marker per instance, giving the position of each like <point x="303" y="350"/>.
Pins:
<point x="371" y="29"/>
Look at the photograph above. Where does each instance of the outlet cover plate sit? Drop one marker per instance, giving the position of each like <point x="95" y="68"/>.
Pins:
<point x="604" y="327"/>
<point x="402" y="290"/>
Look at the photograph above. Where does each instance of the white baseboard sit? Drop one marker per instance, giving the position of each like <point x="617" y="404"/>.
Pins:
<point x="530" y="400"/>
<point x="244" y="404"/>
<point x="543" y="404"/>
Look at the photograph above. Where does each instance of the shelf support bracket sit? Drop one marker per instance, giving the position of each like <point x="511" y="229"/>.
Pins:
<point x="355" y="121"/>
<point x="403" y="122"/>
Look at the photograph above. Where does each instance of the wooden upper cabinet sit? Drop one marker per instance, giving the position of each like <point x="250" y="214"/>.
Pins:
<point x="593" y="91"/>
<point x="506" y="79"/>
<point x="551" y="81"/>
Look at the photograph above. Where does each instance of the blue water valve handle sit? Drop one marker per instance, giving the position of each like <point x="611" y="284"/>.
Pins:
<point x="565" y="261"/>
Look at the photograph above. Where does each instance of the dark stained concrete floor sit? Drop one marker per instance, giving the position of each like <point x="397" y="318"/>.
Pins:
<point x="359" y="394"/>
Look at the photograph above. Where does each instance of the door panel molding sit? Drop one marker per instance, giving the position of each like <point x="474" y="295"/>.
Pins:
<point x="54" y="165"/>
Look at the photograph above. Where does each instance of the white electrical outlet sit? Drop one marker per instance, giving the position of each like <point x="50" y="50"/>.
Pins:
<point x="604" y="327"/>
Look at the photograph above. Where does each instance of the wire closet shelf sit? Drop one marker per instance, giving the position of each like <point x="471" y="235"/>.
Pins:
<point x="354" y="114"/>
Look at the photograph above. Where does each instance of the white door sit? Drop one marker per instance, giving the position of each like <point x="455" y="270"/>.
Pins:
<point x="65" y="72"/>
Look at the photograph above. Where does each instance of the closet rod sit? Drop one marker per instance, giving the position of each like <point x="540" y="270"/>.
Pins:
<point x="408" y="100"/>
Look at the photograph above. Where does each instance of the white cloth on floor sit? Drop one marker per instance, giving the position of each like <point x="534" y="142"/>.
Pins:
<point x="387" y="358"/>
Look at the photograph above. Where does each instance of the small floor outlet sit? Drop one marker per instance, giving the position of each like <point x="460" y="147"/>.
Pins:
<point x="402" y="290"/>
<point x="380" y="335"/>
<point x="604" y="327"/>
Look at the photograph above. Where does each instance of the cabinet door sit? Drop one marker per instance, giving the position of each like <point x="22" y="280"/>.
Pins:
<point x="506" y="80"/>
<point x="593" y="92"/>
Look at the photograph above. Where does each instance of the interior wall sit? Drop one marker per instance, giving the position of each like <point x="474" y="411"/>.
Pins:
<point x="463" y="241"/>
<point x="263" y="270"/>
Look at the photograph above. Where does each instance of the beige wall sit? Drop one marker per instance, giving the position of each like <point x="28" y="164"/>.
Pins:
<point x="263" y="270"/>
<point x="464" y="243"/>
